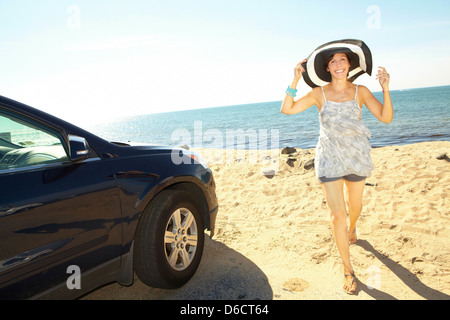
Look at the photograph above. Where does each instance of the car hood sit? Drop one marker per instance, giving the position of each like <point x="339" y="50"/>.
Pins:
<point x="132" y="148"/>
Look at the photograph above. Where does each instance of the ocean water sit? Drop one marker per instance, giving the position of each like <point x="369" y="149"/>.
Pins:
<point x="419" y="115"/>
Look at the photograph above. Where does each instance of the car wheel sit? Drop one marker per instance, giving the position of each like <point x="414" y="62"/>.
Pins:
<point x="169" y="240"/>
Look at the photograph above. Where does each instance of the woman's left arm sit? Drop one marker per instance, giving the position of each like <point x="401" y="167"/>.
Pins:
<point x="383" y="112"/>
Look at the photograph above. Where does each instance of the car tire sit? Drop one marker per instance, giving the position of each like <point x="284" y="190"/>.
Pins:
<point x="169" y="240"/>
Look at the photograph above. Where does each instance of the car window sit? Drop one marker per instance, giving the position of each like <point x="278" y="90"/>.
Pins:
<point x="24" y="143"/>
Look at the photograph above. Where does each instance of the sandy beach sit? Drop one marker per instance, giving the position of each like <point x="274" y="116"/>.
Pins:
<point x="273" y="238"/>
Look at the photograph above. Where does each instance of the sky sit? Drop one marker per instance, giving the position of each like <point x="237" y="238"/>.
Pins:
<point x="91" y="61"/>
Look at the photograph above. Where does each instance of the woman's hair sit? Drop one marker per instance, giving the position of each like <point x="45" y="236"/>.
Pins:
<point x="327" y="61"/>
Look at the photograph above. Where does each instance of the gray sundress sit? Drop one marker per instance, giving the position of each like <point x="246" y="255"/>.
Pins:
<point x="343" y="147"/>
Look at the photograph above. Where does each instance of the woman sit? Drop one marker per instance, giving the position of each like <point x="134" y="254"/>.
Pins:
<point x="343" y="151"/>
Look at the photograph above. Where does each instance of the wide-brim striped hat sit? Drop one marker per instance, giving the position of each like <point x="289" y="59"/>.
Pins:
<point x="315" y="65"/>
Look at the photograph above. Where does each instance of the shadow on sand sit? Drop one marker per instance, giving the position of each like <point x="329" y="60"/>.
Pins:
<point x="409" y="278"/>
<point x="223" y="274"/>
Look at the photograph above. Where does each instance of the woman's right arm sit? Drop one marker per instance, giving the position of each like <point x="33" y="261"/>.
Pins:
<point x="289" y="106"/>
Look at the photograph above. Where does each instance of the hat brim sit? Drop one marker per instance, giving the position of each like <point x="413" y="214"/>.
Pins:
<point x="315" y="74"/>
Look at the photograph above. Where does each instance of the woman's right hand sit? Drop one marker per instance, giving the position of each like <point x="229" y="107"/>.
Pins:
<point x="299" y="70"/>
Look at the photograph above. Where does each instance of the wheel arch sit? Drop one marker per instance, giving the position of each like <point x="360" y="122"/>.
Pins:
<point x="198" y="195"/>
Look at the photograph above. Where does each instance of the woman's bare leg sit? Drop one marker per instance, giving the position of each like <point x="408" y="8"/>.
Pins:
<point x="354" y="195"/>
<point x="334" y="194"/>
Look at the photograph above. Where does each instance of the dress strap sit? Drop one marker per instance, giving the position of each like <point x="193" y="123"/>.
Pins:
<point x="323" y="94"/>
<point x="356" y="93"/>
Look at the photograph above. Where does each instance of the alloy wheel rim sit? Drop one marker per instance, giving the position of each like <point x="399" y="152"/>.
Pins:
<point x="180" y="239"/>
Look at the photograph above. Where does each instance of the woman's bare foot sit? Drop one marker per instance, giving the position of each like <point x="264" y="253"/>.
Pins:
<point x="350" y="283"/>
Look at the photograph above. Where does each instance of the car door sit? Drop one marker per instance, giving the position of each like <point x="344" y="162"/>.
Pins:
<point x="54" y="213"/>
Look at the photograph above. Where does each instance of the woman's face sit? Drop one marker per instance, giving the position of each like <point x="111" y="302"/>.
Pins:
<point x="339" y="66"/>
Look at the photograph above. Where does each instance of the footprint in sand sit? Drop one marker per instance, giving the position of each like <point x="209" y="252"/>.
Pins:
<point x="319" y="257"/>
<point x="296" y="285"/>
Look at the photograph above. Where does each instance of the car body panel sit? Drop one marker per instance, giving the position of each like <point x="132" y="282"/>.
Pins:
<point x="74" y="208"/>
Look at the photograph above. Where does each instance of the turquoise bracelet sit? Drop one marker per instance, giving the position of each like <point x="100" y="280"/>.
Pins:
<point x="291" y="92"/>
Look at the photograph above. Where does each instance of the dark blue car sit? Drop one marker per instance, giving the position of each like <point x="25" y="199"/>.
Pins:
<point x="77" y="211"/>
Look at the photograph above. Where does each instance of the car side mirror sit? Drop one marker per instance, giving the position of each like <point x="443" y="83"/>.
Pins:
<point x="78" y="148"/>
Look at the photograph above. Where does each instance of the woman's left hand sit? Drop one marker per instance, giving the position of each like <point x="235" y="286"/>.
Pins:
<point x="383" y="77"/>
